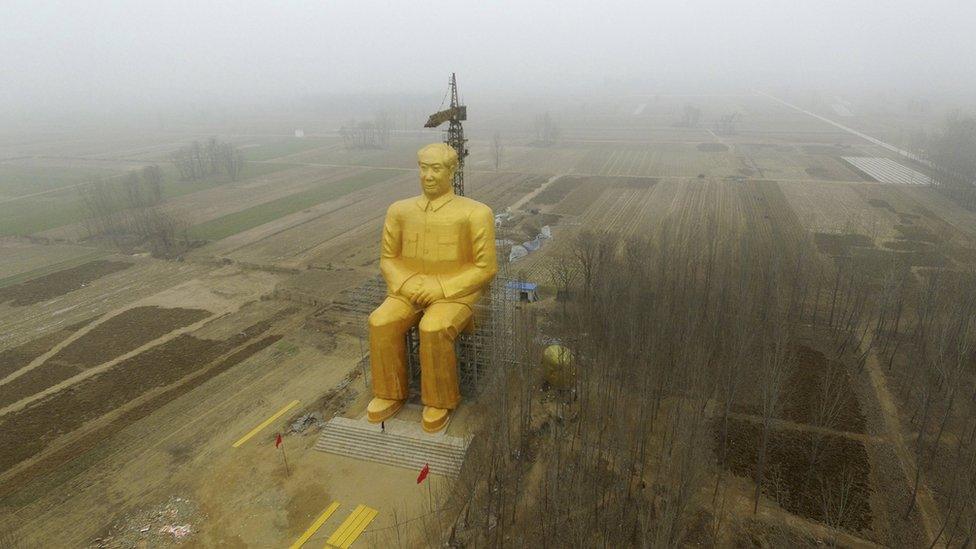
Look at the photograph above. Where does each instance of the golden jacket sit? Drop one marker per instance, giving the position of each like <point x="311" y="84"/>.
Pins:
<point x="451" y="237"/>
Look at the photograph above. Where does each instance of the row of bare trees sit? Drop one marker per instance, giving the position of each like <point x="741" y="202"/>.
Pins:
<point x="128" y="212"/>
<point x="690" y="352"/>
<point x="925" y="337"/>
<point x="672" y="334"/>
<point x="371" y="134"/>
<point x="204" y="159"/>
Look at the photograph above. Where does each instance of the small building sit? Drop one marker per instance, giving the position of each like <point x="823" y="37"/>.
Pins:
<point x="299" y="133"/>
<point x="522" y="291"/>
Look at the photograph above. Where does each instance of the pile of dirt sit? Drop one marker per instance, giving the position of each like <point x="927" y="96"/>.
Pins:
<point x="712" y="147"/>
<point x="59" y="283"/>
<point x="834" y="489"/>
<point x="834" y="244"/>
<point x="114" y="337"/>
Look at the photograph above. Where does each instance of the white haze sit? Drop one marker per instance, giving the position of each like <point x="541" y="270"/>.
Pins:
<point x="73" y="56"/>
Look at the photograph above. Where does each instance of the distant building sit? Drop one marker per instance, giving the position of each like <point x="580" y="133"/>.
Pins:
<point x="522" y="291"/>
<point x="299" y="133"/>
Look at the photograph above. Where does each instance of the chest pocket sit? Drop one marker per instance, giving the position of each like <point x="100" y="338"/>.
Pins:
<point x="410" y="245"/>
<point x="447" y="247"/>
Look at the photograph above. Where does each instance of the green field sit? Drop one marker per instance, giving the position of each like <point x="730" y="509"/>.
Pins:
<point x="284" y="147"/>
<point x="231" y="224"/>
<point x="16" y="180"/>
<point x="34" y="214"/>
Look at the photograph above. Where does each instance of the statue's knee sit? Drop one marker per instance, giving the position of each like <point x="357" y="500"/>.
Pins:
<point x="434" y="325"/>
<point x="381" y="319"/>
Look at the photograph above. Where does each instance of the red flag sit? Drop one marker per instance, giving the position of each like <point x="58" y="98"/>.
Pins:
<point x="423" y="473"/>
<point x="278" y="440"/>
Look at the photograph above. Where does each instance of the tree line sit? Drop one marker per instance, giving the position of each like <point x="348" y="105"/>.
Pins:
<point x="204" y="159"/>
<point x="128" y="213"/>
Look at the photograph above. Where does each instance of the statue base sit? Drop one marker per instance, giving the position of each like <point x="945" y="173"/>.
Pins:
<point x="403" y="443"/>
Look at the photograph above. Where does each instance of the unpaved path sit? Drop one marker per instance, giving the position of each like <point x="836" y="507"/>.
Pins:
<point x="897" y="436"/>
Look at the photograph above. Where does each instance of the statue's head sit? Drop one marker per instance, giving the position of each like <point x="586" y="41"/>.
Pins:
<point x="437" y="163"/>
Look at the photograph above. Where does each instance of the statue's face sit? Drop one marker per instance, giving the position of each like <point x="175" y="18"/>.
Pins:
<point x="435" y="175"/>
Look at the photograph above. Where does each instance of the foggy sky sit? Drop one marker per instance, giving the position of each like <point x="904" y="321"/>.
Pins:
<point x="98" y="53"/>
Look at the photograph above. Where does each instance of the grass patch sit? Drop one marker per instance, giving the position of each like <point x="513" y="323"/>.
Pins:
<point x="18" y="180"/>
<point x="52" y="268"/>
<point x="285" y="147"/>
<point x="40" y="213"/>
<point x="231" y="224"/>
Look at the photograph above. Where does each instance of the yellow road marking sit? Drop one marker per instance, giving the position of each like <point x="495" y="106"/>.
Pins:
<point x="316" y="525"/>
<point x="352" y="527"/>
<point x="265" y="423"/>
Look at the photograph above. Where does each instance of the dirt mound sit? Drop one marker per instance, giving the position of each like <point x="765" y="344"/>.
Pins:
<point x="114" y="337"/>
<point x="59" y="283"/>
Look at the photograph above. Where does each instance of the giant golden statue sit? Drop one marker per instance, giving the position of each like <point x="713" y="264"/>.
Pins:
<point x="437" y="255"/>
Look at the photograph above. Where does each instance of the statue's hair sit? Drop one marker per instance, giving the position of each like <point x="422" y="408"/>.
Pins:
<point x="447" y="152"/>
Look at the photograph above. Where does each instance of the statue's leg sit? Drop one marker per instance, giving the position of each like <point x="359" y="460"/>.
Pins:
<point x="439" y="328"/>
<point x="388" y="325"/>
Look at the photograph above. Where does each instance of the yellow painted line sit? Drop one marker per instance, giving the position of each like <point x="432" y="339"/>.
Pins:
<point x="352" y="527"/>
<point x="316" y="525"/>
<point x="265" y="423"/>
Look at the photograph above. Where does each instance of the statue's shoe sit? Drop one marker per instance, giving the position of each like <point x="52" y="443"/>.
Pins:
<point x="435" y="418"/>
<point x="381" y="409"/>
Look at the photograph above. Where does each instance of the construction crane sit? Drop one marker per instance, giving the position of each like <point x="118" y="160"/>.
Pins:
<point x="454" y="136"/>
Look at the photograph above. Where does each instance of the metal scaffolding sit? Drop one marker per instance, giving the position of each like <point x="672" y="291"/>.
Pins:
<point x="480" y="351"/>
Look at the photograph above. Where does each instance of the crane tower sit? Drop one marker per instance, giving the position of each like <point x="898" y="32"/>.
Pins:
<point x="454" y="136"/>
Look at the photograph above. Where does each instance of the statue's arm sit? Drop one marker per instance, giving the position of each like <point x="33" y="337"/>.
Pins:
<point x="391" y="265"/>
<point x="476" y="275"/>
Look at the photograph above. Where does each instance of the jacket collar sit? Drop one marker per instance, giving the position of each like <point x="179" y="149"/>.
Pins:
<point x="423" y="201"/>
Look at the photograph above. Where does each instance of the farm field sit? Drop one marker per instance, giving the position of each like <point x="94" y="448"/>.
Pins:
<point x="129" y="377"/>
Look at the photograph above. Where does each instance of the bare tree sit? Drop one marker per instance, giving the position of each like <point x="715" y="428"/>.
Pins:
<point x="496" y="150"/>
<point x="546" y="130"/>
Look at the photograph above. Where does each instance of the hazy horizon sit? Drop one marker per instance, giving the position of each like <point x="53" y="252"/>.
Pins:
<point x="104" y="56"/>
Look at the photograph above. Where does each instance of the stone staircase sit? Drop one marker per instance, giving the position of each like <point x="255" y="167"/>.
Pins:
<point x="403" y="444"/>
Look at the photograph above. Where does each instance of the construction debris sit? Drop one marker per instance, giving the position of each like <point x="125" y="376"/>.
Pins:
<point x="163" y="525"/>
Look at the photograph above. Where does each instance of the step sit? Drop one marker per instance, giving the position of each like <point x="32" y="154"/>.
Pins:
<point x="407" y="462"/>
<point x="393" y="457"/>
<point x="403" y="444"/>
<point x="435" y="439"/>
<point x="347" y="444"/>
<point x="395" y="442"/>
